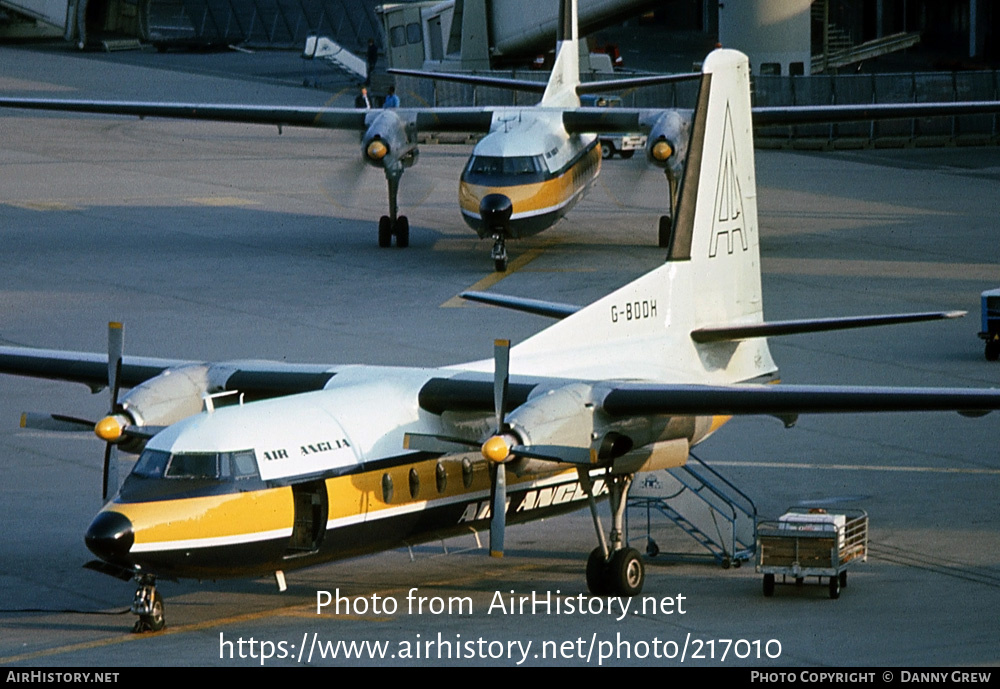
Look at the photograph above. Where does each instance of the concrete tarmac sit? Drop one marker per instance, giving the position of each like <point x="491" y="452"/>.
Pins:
<point x="217" y="241"/>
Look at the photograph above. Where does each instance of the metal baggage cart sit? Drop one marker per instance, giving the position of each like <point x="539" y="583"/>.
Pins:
<point x="811" y="543"/>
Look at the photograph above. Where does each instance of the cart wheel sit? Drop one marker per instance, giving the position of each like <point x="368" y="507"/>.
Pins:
<point x="835" y="587"/>
<point x="768" y="585"/>
<point x="843" y="579"/>
<point x="799" y="581"/>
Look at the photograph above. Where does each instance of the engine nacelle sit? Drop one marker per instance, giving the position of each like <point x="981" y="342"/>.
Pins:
<point x="667" y="142"/>
<point x="385" y="141"/>
<point x="561" y="416"/>
<point x="175" y="394"/>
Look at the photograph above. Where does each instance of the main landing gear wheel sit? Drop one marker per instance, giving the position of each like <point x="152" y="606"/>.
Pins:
<point x="622" y="575"/>
<point x="626" y="573"/>
<point x="386" y="230"/>
<point x="597" y="573"/>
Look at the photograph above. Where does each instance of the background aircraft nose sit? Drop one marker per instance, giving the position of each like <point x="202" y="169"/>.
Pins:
<point x="110" y="536"/>
<point x="495" y="210"/>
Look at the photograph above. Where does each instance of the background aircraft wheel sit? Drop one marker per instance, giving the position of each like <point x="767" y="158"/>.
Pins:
<point x="500" y="264"/>
<point x="155" y="620"/>
<point x="607" y="149"/>
<point x="835" y="587"/>
<point x="402" y="232"/>
<point x="597" y="573"/>
<point x="992" y="350"/>
<point x="626" y="154"/>
<point x="768" y="585"/>
<point x="666" y="230"/>
<point x="626" y="573"/>
<point x="384" y="232"/>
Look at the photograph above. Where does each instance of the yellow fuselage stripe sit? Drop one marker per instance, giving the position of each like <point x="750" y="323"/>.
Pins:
<point x="535" y="198"/>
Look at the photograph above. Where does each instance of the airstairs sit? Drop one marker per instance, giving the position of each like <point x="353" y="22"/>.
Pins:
<point x="322" y="47"/>
<point x="703" y="504"/>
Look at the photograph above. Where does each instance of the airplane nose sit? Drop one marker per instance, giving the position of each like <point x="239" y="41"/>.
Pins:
<point x="495" y="210"/>
<point x="110" y="536"/>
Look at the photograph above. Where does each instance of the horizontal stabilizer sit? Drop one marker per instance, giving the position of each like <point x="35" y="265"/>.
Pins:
<point x="779" y="400"/>
<point x="536" y="306"/>
<point x="812" y="325"/>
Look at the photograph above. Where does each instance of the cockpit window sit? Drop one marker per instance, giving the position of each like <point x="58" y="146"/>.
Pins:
<point x="193" y="466"/>
<point x="224" y="466"/>
<point x="506" y="165"/>
<point x="151" y="464"/>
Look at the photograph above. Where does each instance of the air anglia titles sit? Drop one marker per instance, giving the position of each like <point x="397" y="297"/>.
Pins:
<point x="311" y="449"/>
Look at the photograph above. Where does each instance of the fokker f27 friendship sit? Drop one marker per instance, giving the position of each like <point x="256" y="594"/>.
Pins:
<point x="254" y="468"/>
<point x="534" y="162"/>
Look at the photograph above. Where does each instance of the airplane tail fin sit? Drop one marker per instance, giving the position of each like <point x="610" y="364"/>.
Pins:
<point x="561" y="89"/>
<point x="711" y="277"/>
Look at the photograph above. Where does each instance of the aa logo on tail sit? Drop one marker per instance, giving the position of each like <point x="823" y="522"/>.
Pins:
<point x="727" y="219"/>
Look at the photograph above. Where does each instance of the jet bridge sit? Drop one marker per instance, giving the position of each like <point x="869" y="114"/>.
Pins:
<point x="476" y="34"/>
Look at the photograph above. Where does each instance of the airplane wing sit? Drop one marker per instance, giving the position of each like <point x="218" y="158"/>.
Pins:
<point x="828" y="114"/>
<point x="257" y="379"/>
<point x="426" y="119"/>
<point x="633" y="399"/>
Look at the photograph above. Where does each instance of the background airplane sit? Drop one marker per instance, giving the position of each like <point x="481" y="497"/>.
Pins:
<point x="334" y="461"/>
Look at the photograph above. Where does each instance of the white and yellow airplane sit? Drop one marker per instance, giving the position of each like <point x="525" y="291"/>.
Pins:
<point x="252" y="468"/>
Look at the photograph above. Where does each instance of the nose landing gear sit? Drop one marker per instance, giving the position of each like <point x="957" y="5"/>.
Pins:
<point x="495" y="210"/>
<point x="148" y="605"/>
